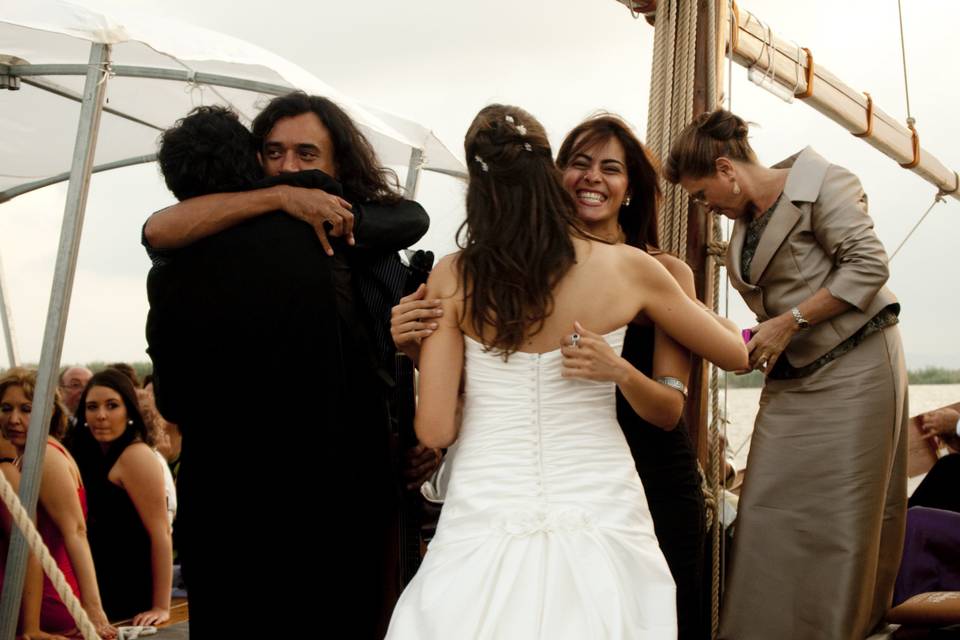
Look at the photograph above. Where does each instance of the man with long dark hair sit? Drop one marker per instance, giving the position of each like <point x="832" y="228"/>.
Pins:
<point x="249" y="286"/>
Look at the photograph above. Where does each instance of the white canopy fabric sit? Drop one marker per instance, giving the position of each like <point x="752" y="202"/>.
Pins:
<point x="38" y="127"/>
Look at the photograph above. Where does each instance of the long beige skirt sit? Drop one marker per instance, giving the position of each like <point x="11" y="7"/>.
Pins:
<point x="821" y="520"/>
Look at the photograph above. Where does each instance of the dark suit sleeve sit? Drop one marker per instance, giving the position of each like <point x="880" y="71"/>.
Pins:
<point x="389" y="227"/>
<point x="312" y="179"/>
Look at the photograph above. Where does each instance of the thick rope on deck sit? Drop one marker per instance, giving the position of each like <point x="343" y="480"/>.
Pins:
<point x="22" y="519"/>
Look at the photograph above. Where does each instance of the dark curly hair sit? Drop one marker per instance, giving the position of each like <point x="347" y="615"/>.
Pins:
<point x="516" y="239"/>
<point x="358" y="169"/>
<point x="638" y="219"/>
<point x="208" y="151"/>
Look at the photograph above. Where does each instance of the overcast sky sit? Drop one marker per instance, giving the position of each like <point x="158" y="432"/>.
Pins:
<point x="439" y="61"/>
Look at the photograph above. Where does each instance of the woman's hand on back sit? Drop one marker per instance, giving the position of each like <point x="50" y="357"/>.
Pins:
<point x="591" y="358"/>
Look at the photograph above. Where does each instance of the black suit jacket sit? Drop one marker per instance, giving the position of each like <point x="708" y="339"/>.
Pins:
<point x="260" y="356"/>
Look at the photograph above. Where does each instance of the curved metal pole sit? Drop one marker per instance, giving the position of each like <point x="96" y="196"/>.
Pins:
<point x="413" y="173"/>
<point x="21" y="189"/>
<point x="83" y="152"/>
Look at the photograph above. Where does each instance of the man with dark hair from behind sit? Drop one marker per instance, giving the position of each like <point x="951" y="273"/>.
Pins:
<point x="287" y="471"/>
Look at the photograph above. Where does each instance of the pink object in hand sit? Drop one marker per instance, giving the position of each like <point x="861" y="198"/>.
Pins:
<point x="747" y="335"/>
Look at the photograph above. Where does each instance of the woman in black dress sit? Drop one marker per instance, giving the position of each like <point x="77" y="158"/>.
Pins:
<point x="127" y="513"/>
<point x="613" y="179"/>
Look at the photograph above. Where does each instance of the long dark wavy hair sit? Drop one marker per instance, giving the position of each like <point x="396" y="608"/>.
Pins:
<point x="516" y="239"/>
<point x="638" y="220"/>
<point x="358" y="169"/>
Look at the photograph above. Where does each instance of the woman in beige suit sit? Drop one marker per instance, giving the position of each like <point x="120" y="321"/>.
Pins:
<point x="821" y="516"/>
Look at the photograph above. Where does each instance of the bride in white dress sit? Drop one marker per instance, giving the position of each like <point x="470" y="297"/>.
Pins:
<point x="545" y="531"/>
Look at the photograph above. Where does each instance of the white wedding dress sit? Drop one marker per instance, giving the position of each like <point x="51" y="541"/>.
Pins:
<point x="545" y="531"/>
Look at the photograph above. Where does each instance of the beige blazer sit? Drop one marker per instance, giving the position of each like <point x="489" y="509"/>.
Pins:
<point x="820" y="235"/>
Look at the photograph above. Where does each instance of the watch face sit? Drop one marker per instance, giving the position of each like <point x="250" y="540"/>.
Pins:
<point x="801" y="322"/>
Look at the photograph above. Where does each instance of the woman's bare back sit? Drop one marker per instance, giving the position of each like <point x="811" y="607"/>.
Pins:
<point x="600" y="291"/>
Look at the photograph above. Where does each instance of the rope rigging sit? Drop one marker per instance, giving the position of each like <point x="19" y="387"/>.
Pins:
<point x="670" y="110"/>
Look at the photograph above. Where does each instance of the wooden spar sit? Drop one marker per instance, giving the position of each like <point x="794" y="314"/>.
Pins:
<point x="835" y="99"/>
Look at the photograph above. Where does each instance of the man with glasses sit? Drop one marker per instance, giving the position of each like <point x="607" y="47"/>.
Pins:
<point x="73" y="380"/>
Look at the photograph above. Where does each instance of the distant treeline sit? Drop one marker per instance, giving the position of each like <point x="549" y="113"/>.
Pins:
<point x="142" y="368"/>
<point x="927" y="375"/>
<point x="754" y="379"/>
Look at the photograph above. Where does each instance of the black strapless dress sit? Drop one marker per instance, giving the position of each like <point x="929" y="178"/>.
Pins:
<point x="119" y="542"/>
<point x="667" y="464"/>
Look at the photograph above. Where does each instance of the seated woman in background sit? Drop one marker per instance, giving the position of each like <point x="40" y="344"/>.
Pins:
<point x="60" y="515"/>
<point x="129" y="529"/>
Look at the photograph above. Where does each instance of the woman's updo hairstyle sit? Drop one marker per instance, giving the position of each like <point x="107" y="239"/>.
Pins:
<point x="710" y="136"/>
<point x="503" y="140"/>
<point x="515" y="239"/>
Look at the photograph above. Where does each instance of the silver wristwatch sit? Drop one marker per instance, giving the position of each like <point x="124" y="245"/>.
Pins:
<point x="799" y="319"/>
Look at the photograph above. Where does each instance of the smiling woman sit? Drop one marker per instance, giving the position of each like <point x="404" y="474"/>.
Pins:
<point x="597" y="178"/>
<point x="615" y="184"/>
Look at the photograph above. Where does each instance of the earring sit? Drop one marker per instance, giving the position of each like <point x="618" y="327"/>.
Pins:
<point x="736" y="188"/>
<point x="86" y="424"/>
<point x="626" y="202"/>
<point x="130" y="422"/>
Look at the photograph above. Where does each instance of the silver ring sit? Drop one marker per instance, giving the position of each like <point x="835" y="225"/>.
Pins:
<point x="575" y="340"/>
<point x="763" y="364"/>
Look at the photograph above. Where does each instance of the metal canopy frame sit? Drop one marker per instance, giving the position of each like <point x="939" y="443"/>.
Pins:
<point x="16" y="73"/>
<point x="97" y="73"/>
<point x="29" y="74"/>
